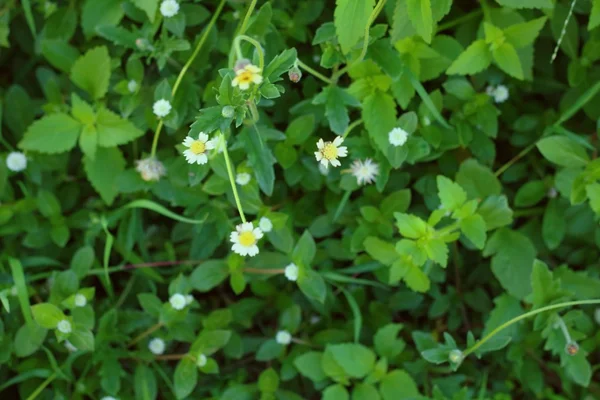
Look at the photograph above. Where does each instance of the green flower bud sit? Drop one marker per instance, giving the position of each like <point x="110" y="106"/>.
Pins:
<point x="455" y="356"/>
<point x="228" y="111"/>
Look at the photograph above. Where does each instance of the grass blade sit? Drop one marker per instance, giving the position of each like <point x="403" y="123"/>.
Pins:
<point x="19" y="279"/>
<point x="152" y="206"/>
<point x="356" y="312"/>
<point x="581" y="101"/>
<point x="29" y="16"/>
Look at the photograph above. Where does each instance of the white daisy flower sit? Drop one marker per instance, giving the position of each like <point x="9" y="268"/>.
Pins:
<point x="197" y="148"/>
<point x="265" y="224"/>
<point x="161" y="108"/>
<point x="169" y="8"/>
<point x="178" y="301"/>
<point x="244" y="239"/>
<point x="69" y="346"/>
<point x="291" y="272"/>
<point x="64" y="326"/>
<point x="397" y="137"/>
<point x="283" y="337"/>
<point x="247" y="75"/>
<point x="364" y="171"/>
<point x="189" y="299"/>
<point x="243" y="178"/>
<point x="16" y="161"/>
<point x="201" y="360"/>
<point x="500" y="94"/>
<point x="329" y="152"/>
<point x="150" y="169"/>
<point x="80" y="300"/>
<point x="132" y="86"/>
<point x="157" y="346"/>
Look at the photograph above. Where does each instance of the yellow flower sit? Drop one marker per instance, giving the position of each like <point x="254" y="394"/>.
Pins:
<point x="247" y="75"/>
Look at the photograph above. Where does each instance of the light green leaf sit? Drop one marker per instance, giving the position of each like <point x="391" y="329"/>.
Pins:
<point x="474" y="228"/>
<point x="54" y="133"/>
<point x="91" y="72"/>
<point x="563" y="151"/>
<point x="97" y="13"/>
<point x="114" y="130"/>
<point x="350" y="19"/>
<point x="185" y="378"/>
<point x="380" y="250"/>
<point x="280" y="64"/>
<point x="209" y="275"/>
<point x="335" y="392"/>
<point x="47" y="315"/>
<point x="148" y="6"/>
<point x="452" y="196"/>
<point x="88" y="141"/>
<point x="305" y="249"/>
<point x="437" y="251"/>
<point x="82" y="339"/>
<point x="356" y="359"/>
<point x="420" y="14"/>
<point x="309" y="365"/>
<point x="474" y="59"/>
<point x="477" y="180"/>
<point x="260" y="159"/>
<point x="521" y="35"/>
<point x="411" y="226"/>
<point x="379" y="114"/>
<point x="312" y="285"/>
<point x="526" y="4"/>
<point x="398" y="385"/>
<point x="387" y="343"/>
<point x="508" y="60"/>
<point x="594" y="15"/>
<point x="530" y="193"/>
<point x="102" y="172"/>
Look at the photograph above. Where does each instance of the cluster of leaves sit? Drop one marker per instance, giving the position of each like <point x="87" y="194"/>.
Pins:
<point x="477" y="234"/>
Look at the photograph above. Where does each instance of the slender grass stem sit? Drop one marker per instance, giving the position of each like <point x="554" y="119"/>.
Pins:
<point x="257" y="46"/>
<point x="351" y="126"/>
<point x="238" y="203"/>
<point x="147" y="332"/>
<point x="513" y="160"/>
<point x="42" y="386"/>
<point x="314" y="73"/>
<point x="241" y="30"/>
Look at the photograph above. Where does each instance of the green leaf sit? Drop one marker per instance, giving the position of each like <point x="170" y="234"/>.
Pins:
<point x="209" y="120"/>
<point x="114" y="130"/>
<point x="594" y="15"/>
<point x="269" y="350"/>
<point x="59" y="54"/>
<point x="47" y="315"/>
<point x="365" y="391"/>
<point x="97" y="13"/>
<point x="563" y="151"/>
<point x="495" y="212"/>
<point x="398" y="385"/>
<point x="578" y="368"/>
<point x="526" y="4"/>
<point x="91" y="72"/>
<point x="452" y="196"/>
<point x="185" y="378"/>
<point x="103" y="170"/>
<point x="350" y="19"/>
<point x="437" y="251"/>
<point x="411" y="226"/>
<point x="508" y="60"/>
<point x="300" y="129"/>
<point x="356" y="359"/>
<point x="305" y="250"/>
<point x="379" y="114"/>
<point x="148" y="6"/>
<point x="81" y="110"/>
<point x="145" y="385"/>
<point x="88" y="141"/>
<point x="210" y="341"/>
<point x="380" y="250"/>
<point x="474" y="59"/>
<point x="420" y="14"/>
<point x="28" y="339"/>
<point x="477" y="180"/>
<point x="336" y="100"/>
<point x="554" y="225"/>
<point x="54" y="133"/>
<point x="260" y="159"/>
<point x="387" y="343"/>
<point x="280" y="64"/>
<point x="524" y="34"/>
<point x="268" y="381"/>
<point x="309" y="365"/>
<point x="313" y="285"/>
<point x="474" y="228"/>
<point x="209" y="275"/>
<point x="545" y="289"/>
<point x="512" y="261"/>
<point x="335" y="392"/>
<point x="530" y="193"/>
<point x="82" y="339"/>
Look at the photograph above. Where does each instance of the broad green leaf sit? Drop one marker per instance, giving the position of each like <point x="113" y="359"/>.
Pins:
<point x="578" y="368"/>
<point x="356" y="359"/>
<point x="387" y="343"/>
<point x="82" y="339"/>
<point x="474" y="59"/>
<point x="269" y="350"/>
<point x="210" y="119"/>
<point x="495" y="212"/>
<point x="312" y="285"/>
<point x="148" y="6"/>
<point x="335" y="392"/>
<point x="47" y="315"/>
<point x="365" y="391"/>
<point x="436" y="250"/>
<point x="594" y="15"/>
<point x="554" y="225"/>
<point x="420" y="14"/>
<point x="380" y="250"/>
<point x="300" y="129"/>
<point x="59" y="54"/>
<point x="260" y="158"/>
<point x="54" y="133"/>
<point x="350" y="19"/>
<point x="97" y="13"/>
<point x="521" y="35"/>
<point x="268" y="381"/>
<point x="114" y="130"/>
<point x="563" y="151"/>
<point x="411" y="226"/>
<point x="209" y="275"/>
<point x="280" y="64"/>
<point x="91" y="72"/>
<point x="379" y="114"/>
<point x="309" y="365"/>
<point x="530" y="193"/>
<point x="145" y="385"/>
<point x="88" y="141"/>
<point x="305" y="249"/>
<point x="28" y="339"/>
<point x="103" y="170"/>
<point x="477" y="180"/>
<point x="185" y="378"/>
<point x="545" y="289"/>
<point x="474" y="228"/>
<point x="593" y="193"/>
<point x="336" y="100"/>
<point x="398" y="385"/>
<point x="452" y="196"/>
<point x="508" y="60"/>
<point x="526" y="4"/>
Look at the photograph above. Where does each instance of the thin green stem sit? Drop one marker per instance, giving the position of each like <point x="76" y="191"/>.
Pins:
<point x="42" y="386"/>
<point x="351" y="126"/>
<point x="257" y="46"/>
<point x="525" y="316"/>
<point x="238" y="203"/>
<point x="185" y="68"/>
<point x="516" y="158"/>
<point x="314" y="72"/>
<point x="564" y="329"/>
<point x="262" y="271"/>
<point x="342" y="204"/>
<point x="242" y="29"/>
<point x="147" y="332"/>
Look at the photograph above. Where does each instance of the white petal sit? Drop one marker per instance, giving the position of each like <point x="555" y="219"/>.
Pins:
<point x="342" y="151"/>
<point x="201" y="159"/>
<point x="239" y="249"/>
<point x="235" y="81"/>
<point x="189" y="155"/>
<point x="234" y="237"/>
<point x="244" y="85"/>
<point x="320" y="144"/>
<point x="252" y="68"/>
<point x="187" y="142"/>
<point x="247" y="227"/>
<point x="253" y="250"/>
<point x="324" y="162"/>
<point x="257" y="79"/>
<point x="337" y="141"/>
<point x="203" y="137"/>
<point x="211" y="144"/>
<point x="318" y="155"/>
<point x="258" y="234"/>
<point x="335" y="162"/>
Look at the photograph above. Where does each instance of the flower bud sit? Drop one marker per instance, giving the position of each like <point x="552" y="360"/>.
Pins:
<point x="572" y="348"/>
<point x="240" y="64"/>
<point x="455" y="356"/>
<point x="295" y="74"/>
<point x="228" y="111"/>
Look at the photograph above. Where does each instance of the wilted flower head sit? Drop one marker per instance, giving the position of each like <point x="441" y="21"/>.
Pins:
<point x="329" y="152"/>
<point x="132" y="86"/>
<point x="245" y="239"/>
<point x="169" y="8"/>
<point x="241" y="64"/>
<point x="499" y="93"/>
<point x="364" y="171"/>
<point x="247" y="75"/>
<point x="295" y="74"/>
<point x="150" y="169"/>
<point x="16" y="161"/>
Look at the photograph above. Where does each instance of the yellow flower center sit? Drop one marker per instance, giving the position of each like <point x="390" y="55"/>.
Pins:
<point x="245" y="77"/>
<point x="247" y="239"/>
<point x="329" y="151"/>
<point x="198" y="147"/>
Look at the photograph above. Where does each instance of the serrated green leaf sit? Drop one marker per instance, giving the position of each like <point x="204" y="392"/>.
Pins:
<point x="474" y="59"/>
<point x="421" y="16"/>
<point x="508" y="60"/>
<point x="54" y="133"/>
<point x="350" y="19"/>
<point x="521" y="35"/>
<point x="91" y="72"/>
<point x="103" y="170"/>
<point x="114" y="130"/>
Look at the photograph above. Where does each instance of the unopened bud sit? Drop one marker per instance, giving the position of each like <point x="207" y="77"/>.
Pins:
<point x="455" y="356"/>
<point x="572" y="348"/>
<point x="241" y="64"/>
<point x="295" y="74"/>
<point x="227" y="111"/>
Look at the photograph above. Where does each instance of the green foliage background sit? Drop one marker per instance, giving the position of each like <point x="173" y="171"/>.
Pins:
<point x="480" y="234"/>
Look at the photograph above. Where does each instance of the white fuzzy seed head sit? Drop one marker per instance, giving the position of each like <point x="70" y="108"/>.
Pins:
<point x="161" y="108"/>
<point x="169" y="8"/>
<point x="291" y="272"/>
<point x="397" y="137"/>
<point x="150" y="169"/>
<point x="283" y="337"/>
<point x="80" y="300"/>
<point x="178" y="301"/>
<point x="157" y="346"/>
<point x="201" y="360"/>
<point x="16" y="161"/>
<point x="265" y="224"/>
<point x="243" y="178"/>
<point x="64" y="326"/>
<point x="132" y="86"/>
<point x="501" y="94"/>
<point x="364" y="171"/>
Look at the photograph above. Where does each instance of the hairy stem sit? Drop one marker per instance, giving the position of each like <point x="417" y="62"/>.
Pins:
<point x="238" y="203"/>
<point x="314" y="72"/>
